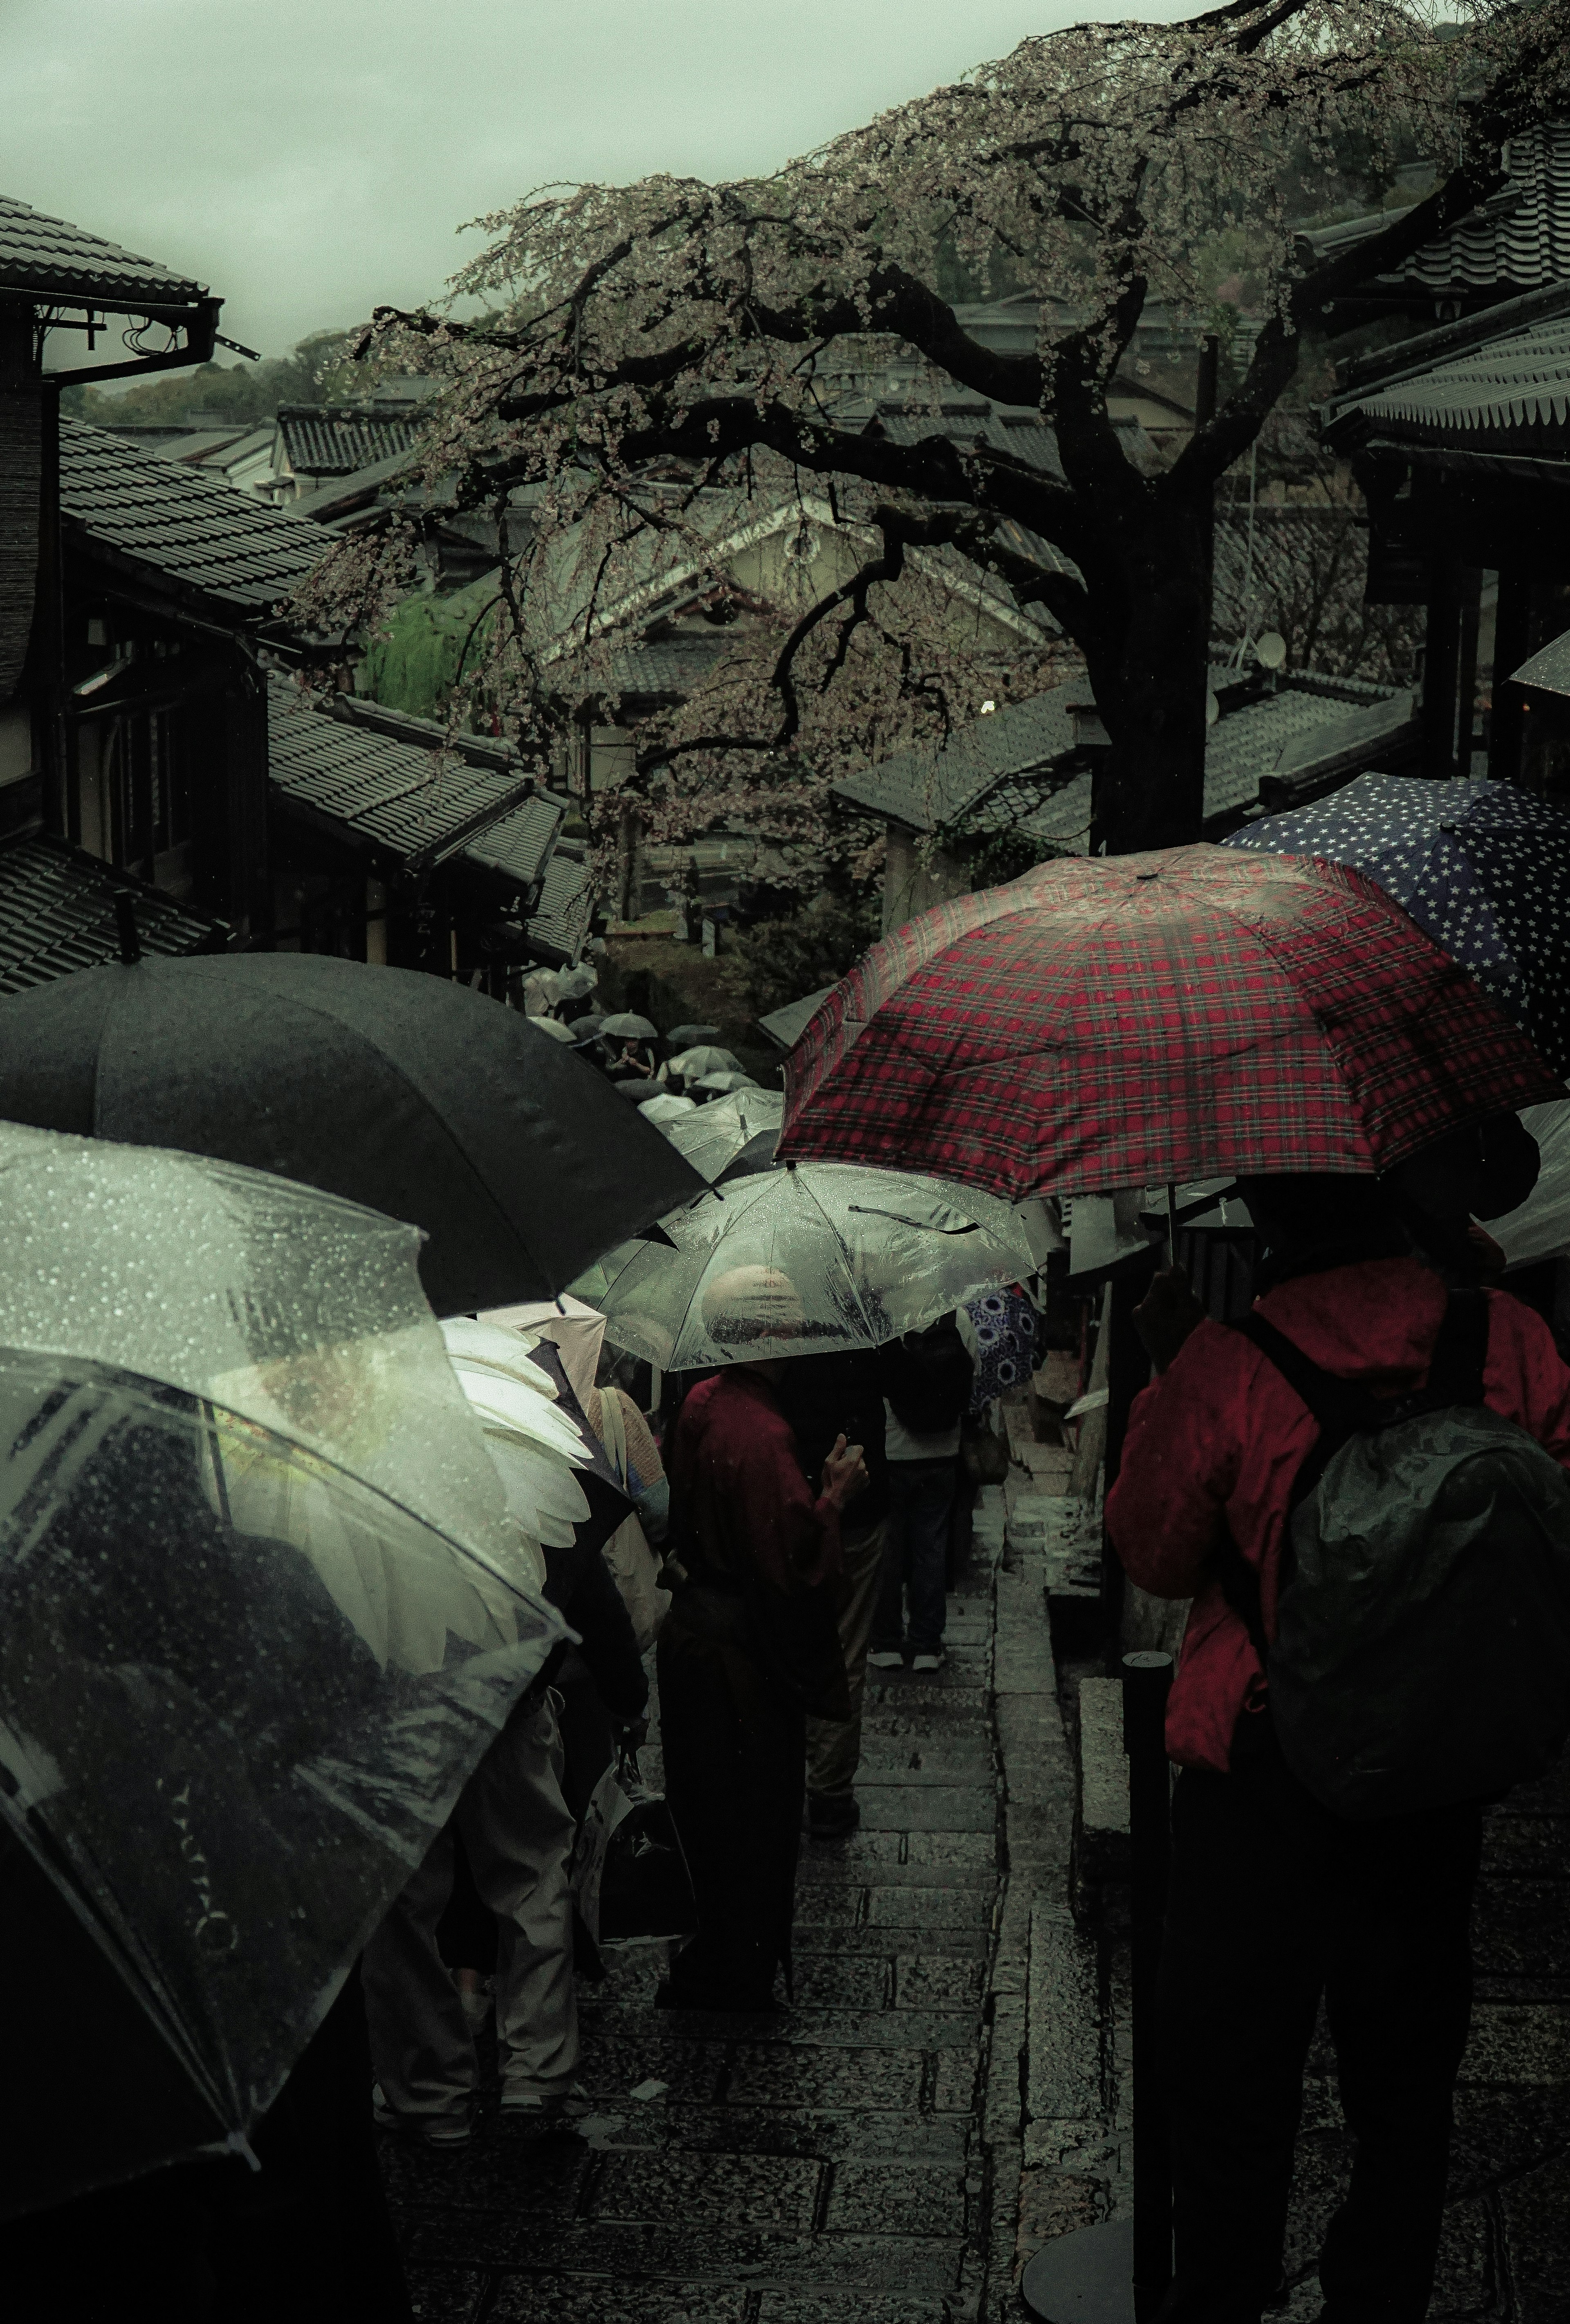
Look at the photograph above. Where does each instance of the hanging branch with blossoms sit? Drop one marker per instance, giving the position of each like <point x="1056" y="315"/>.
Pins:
<point x="648" y="349"/>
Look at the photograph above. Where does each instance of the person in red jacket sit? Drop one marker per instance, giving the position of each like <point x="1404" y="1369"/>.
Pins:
<point x="750" y="1646"/>
<point x="1274" y="1901"/>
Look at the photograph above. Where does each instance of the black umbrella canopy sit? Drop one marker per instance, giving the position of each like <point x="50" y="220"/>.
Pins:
<point x="412" y="1095"/>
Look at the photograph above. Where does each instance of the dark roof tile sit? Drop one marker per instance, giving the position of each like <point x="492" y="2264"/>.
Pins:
<point x="57" y="914"/>
<point x="1015" y="770"/>
<point x="1517" y="241"/>
<point x="520" y="845"/>
<point x="322" y="439"/>
<point x="559" y="928"/>
<point x="416" y="801"/>
<point x="48" y="258"/>
<point x="187" y="526"/>
<point x="1511" y="393"/>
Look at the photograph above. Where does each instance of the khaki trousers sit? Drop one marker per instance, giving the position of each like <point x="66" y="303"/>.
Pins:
<point x="834" y="1744"/>
<point x="517" y="1836"/>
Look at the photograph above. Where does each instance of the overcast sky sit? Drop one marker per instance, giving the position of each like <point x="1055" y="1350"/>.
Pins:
<point x="311" y="159"/>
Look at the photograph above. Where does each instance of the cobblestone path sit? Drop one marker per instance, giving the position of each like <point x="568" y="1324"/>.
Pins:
<point x="826" y="2164"/>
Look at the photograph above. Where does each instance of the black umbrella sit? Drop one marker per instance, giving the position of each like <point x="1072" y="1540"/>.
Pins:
<point x="406" y="1092"/>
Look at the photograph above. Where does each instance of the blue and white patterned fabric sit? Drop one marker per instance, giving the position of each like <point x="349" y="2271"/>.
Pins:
<point x="1482" y="867"/>
<point x="1005" y="1334"/>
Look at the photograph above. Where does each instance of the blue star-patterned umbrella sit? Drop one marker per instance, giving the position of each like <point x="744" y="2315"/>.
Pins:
<point x="1482" y="867"/>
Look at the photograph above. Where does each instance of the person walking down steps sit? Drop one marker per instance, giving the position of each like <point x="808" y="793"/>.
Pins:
<point x="927" y="1378"/>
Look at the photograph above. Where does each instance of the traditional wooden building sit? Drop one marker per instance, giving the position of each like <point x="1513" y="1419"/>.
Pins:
<point x="71" y="669"/>
<point x="174" y="587"/>
<point x="1460" y="440"/>
<point x="1018" y="786"/>
<point x="396" y="843"/>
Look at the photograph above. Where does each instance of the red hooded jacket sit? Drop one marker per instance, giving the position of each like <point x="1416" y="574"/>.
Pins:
<point x="1220" y="1437"/>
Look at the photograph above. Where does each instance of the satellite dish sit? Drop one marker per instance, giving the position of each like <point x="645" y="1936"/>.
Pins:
<point x="1212" y="709"/>
<point x="1270" y="651"/>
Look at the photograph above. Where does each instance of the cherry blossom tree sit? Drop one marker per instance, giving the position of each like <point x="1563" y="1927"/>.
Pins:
<point x="645" y="347"/>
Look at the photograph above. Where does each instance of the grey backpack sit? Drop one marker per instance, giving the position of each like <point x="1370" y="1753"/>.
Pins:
<point x="1422" y="1649"/>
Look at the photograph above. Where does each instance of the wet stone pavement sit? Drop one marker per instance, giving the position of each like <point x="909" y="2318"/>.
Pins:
<point x="812" y="2167"/>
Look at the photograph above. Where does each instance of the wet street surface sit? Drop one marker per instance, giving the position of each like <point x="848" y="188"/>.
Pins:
<point x="951" y="2085"/>
<point x="821" y="2163"/>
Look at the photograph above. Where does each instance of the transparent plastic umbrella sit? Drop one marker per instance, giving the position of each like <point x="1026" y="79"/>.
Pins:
<point x="714" y="1086"/>
<point x="705" y="1058"/>
<point x="712" y="1137"/>
<point x="262" y="1608"/>
<point x="851" y="1256"/>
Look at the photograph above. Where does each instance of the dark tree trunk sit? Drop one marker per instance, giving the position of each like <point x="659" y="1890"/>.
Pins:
<point x="1151" y="678"/>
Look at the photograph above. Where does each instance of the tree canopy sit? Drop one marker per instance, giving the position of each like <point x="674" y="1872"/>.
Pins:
<point x="645" y="347"/>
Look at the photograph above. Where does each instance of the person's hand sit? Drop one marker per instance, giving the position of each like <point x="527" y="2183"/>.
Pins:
<point x="1167" y="1314"/>
<point x="844" y="1473"/>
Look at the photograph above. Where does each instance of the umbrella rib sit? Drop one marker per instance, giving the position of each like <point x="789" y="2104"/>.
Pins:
<point x="845" y="1252"/>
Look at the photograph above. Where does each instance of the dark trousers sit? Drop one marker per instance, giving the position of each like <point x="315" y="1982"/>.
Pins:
<point x="915" y="1557"/>
<point x="733" y="1747"/>
<point x="1274" y="1902"/>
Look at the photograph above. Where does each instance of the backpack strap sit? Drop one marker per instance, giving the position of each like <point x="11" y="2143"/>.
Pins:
<point x="1460" y="1354"/>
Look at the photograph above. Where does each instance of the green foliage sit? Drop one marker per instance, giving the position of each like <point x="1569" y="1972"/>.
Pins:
<point x="783" y="959"/>
<point x="238" y="394"/>
<point x="429" y="644"/>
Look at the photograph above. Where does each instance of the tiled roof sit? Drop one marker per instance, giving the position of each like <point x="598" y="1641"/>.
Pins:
<point x="1510" y="394"/>
<point x="326" y="440"/>
<point x="969" y="420"/>
<point x="559" y="928"/>
<point x="57" y="914"/>
<point x="673" y="665"/>
<point x="926" y="787"/>
<point x="186" y="526"/>
<point x="520" y="845"/>
<point x="48" y="258"/>
<point x="413" y="802"/>
<point x="1517" y="241"/>
<point x="1015" y="769"/>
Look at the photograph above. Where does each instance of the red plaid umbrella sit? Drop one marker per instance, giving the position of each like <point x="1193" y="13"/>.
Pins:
<point x="1129" y="1020"/>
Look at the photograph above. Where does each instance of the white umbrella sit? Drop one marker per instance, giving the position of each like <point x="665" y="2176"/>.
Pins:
<point x="703" y="1059"/>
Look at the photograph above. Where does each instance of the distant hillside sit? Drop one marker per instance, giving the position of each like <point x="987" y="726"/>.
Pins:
<point x="237" y="393"/>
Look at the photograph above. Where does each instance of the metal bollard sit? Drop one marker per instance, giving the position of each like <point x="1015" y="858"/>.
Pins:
<point x="1147" y="1680"/>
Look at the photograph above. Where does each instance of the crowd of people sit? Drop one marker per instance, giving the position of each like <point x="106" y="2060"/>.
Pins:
<point x="678" y="1069"/>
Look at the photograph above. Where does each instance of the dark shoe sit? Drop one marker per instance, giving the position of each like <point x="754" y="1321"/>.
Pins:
<point x="831" y="1814"/>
